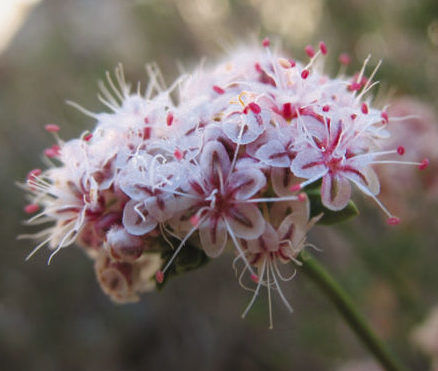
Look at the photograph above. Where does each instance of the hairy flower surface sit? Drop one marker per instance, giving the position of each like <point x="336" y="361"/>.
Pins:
<point x="226" y="165"/>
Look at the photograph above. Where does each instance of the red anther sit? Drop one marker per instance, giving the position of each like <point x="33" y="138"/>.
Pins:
<point x="292" y="63"/>
<point x="344" y="59"/>
<point x="31" y="175"/>
<point x="169" y="119"/>
<point x="254" y="278"/>
<point x="218" y="89"/>
<point x="354" y="86"/>
<point x="245" y="110"/>
<point x="52" y="151"/>
<point x="254" y="107"/>
<point x="31" y="208"/>
<point x="295" y="187"/>
<point x="353" y="116"/>
<point x="302" y="197"/>
<point x="159" y="276"/>
<point x="194" y="220"/>
<point x="257" y="67"/>
<point x="323" y="47"/>
<point x="393" y="220"/>
<point x="146" y="120"/>
<point x="178" y="154"/>
<point x="424" y="164"/>
<point x="52" y="128"/>
<point x="147" y="132"/>
<point x="88" y="137"/>
<point x="401" y="150"/>
<point x="287" y="111"/>
<point x="364" y="108"/>
<point x="310" y="51"/>
<point x="385" y="116"/>
<point x="305" y="74"/>
<point x="266" y="42"/>
<point x="326" y="108"/>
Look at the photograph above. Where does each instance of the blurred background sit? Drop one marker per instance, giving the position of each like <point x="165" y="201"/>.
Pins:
<point x="56" y="317"/>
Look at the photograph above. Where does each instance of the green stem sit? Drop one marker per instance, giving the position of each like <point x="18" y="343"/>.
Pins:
<point x="346" y="307"/>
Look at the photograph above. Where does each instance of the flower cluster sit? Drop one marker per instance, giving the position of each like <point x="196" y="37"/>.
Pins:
<point x="223" y="158"/>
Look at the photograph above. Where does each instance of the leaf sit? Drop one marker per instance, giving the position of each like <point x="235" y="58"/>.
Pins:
<point x="329" y="216"/>
<point x="189" y="258"/>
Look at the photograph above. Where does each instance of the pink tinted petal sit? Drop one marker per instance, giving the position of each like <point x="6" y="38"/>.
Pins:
<point x="244" y="184"/>
<point x="308" y="164"/>
<point x="134" y="190"/>
<point x="213" y="235"/>
<point x="215" y="161"/>
<point x="299" y="209"/>
<point x="335" y="134"/>
<point x="246" y="220"/>
<point x="161" y="207"/>
<point x="335" y="191"/>
<point x="267" y="242"/>
<point x="248" y="126"/>
<point x="273" y="153"/>
<point x="365" y="178"/>
<point x="134" y="223"/>
<point x="282" y="180"/>
<point x="292" y="229"/>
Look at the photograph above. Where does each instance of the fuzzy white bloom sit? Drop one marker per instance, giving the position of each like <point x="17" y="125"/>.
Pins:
<point x="226" y="162"/>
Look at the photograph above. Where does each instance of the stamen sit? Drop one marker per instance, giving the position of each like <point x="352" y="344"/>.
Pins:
<point x="344" y="59"/>
<point x="31" y="208"/>
<point x="424" y="164"/>
<point x="323" y="47"/>
<point x="310" y="51"/>
<point x="286" y="303"/>
<point x="266" y="42"/>
<point x="271" y="326"/>
<point x="256" y="292"/>
<point x="401" y="150"/>
<point x="88" y="137"/>
<point x="237" y="245"/>
<point x="52" y="128"/>
<point x="254" y="107"/>
<point x="31" y="175"/>
<point x="178" y="154"/>
<point x="169" y="119"/>
<point x="159" y="276"/>
<point x="305" y="74"/>
<point x="178" y="249"/>
<point x="393" y="221"/>
<point x="218" y="89"/>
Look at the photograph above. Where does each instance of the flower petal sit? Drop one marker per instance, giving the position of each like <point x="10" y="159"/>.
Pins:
<point x="308" y="164"/>
<point x="244" y="184"/>
<point x="267" y="242"/>
<point x="365" y="178"/>
<point x="215" y="162"/>
<point x="245" y="128"/>
<point x="246" y="220"/>
<point x="213" y="235"/>
<point x="335" y="191"/>
<point x="136" y="219"/>
<point x="273" y="153"/>
<point x="161" y="207"/>
<point x="282" y="180"/>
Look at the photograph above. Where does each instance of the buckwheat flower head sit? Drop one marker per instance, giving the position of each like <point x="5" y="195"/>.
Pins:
<point x="163" y="183"/>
